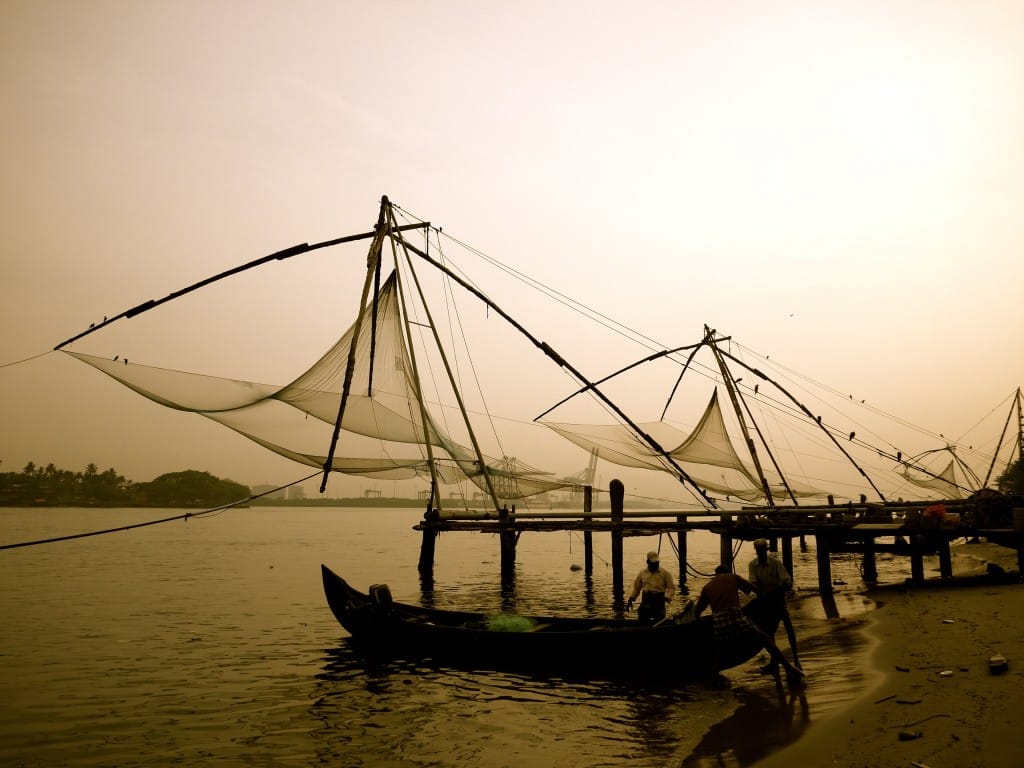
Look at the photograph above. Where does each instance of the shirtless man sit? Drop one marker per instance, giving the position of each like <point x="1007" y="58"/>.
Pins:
<point x="722" y="594"/>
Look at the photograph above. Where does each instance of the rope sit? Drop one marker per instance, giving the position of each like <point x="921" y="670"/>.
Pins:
<point x="185" y="516"/>
<point x="689" y="568"/>
<point x="25" y="360"/>
<point x="576" y="534"/>
<point x="694" y="572"/>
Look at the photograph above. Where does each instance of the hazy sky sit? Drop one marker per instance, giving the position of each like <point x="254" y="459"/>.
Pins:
<point x="839" y="185"/>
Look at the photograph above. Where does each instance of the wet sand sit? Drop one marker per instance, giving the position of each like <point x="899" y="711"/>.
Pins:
<point x="935" y="702"/>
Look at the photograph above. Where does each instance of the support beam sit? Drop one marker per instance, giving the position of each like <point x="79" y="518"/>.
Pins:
<point x="681" y="540"/>
<point x="427" y="545"/>
<point x="507" y="537"/>
<point x="725" y="545"/>
<point x="616" y="495"/>
<point x="588" y="536"/>
<point x="945" y="559"/>
<point x="870" y="566"/>
<point x="916" y="559"/>
<point x="822" y="552"/>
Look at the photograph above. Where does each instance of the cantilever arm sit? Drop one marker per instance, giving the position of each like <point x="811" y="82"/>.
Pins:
<point x="277" y="256"/>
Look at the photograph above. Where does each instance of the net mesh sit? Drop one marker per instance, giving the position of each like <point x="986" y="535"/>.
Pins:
<point x="385" y="429"/>
<point x="707" y="454"/>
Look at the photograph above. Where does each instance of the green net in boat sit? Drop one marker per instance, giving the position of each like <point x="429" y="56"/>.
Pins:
<point x="510" y="622"/>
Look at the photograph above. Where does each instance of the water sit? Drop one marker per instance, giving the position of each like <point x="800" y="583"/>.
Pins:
<point x="211" y="641"/>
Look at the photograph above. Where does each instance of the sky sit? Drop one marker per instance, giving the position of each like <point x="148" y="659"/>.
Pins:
<point x="838" y="185"/>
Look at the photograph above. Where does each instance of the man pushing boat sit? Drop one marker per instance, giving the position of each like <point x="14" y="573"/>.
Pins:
<point x="771" y="580"/>
<point x="722" y="594"/>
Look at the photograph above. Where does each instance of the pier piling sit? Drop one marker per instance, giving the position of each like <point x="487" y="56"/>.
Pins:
<point x="865" y="529"/>
<point x="588" y="536"/>
<point x="616" y="495"/>
<point x="682" y="546"/>
<point x="508" y="538"/>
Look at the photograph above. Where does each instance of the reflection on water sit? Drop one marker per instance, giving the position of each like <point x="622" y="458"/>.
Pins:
<point x="437" y="715"/>
<point x="763" y="722"/>
<point x="211" y="643"/>
<point x="427" y="714"/>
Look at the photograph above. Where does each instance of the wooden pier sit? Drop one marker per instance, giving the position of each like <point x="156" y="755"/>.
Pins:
<point x="911" y="529"/>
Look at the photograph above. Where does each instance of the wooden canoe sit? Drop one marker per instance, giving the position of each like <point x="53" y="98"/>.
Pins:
<point x="681" y="646"/>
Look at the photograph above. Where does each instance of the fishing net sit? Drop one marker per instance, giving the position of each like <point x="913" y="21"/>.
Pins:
<point x="387" y="431"/>
<point x="707" y="454"/>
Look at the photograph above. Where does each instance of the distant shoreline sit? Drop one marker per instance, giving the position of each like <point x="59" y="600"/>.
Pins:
<point x="377" y="502"/>
<point x="395" y="501"/>
<point x="343" y="502"/>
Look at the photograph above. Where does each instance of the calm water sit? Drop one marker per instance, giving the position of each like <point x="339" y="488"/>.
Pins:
<point x="211" y="641"/>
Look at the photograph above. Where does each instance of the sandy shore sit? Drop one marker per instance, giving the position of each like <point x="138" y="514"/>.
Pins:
<point x="936" y="703"/>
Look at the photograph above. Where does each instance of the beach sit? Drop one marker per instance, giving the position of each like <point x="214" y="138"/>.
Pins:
<point x="935" y="702"/>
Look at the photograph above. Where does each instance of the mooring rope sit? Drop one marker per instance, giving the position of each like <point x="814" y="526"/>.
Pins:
<point x="185" y="516"/>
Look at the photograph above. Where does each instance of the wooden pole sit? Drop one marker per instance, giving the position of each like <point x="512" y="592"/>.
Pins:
<point x="427" y="546"/>
<point x="725" y="545"/>
<point x="945" y="559"/>
<point x="824" y="563"/>
<point x="681" y="538"/>
<point x="828" y="600"/>
<point x="507" y="539"/>
<point x="588" y="536"/>
<point x="681" y="474"/>
<point x="870" y="567"/>
<point x="916" y="559"/>
<point x="616" y="494"/>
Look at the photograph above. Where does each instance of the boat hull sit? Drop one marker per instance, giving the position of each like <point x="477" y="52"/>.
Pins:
<point x="680" y="647"/>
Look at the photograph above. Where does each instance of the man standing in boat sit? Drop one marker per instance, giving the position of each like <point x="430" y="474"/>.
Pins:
<point x="771" y="580"/>
<point x="657" y="588"/>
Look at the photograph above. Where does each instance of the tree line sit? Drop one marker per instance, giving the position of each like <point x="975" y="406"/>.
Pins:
<point x="50" y="486"/>
<point x="1011" y="482"/>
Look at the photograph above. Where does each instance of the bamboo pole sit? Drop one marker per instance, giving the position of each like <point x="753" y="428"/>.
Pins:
<point x="484" y="469"/>
<point x="371" y="265"/>
<point x="681" y="474"/>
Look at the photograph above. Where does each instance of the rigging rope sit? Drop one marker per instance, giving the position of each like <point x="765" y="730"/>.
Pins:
<point x="185" y="516"/>
<point x="25" y="360"/>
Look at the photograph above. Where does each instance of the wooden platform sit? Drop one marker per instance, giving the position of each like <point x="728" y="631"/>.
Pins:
<point x="911" y="529"/>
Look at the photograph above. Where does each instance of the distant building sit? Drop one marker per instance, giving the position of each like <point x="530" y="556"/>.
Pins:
<point x="278" y="494"/>
<point x="296" y="492"/>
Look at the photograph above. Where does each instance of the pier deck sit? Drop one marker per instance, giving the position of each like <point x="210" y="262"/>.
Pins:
<point x="912" y="529"/>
